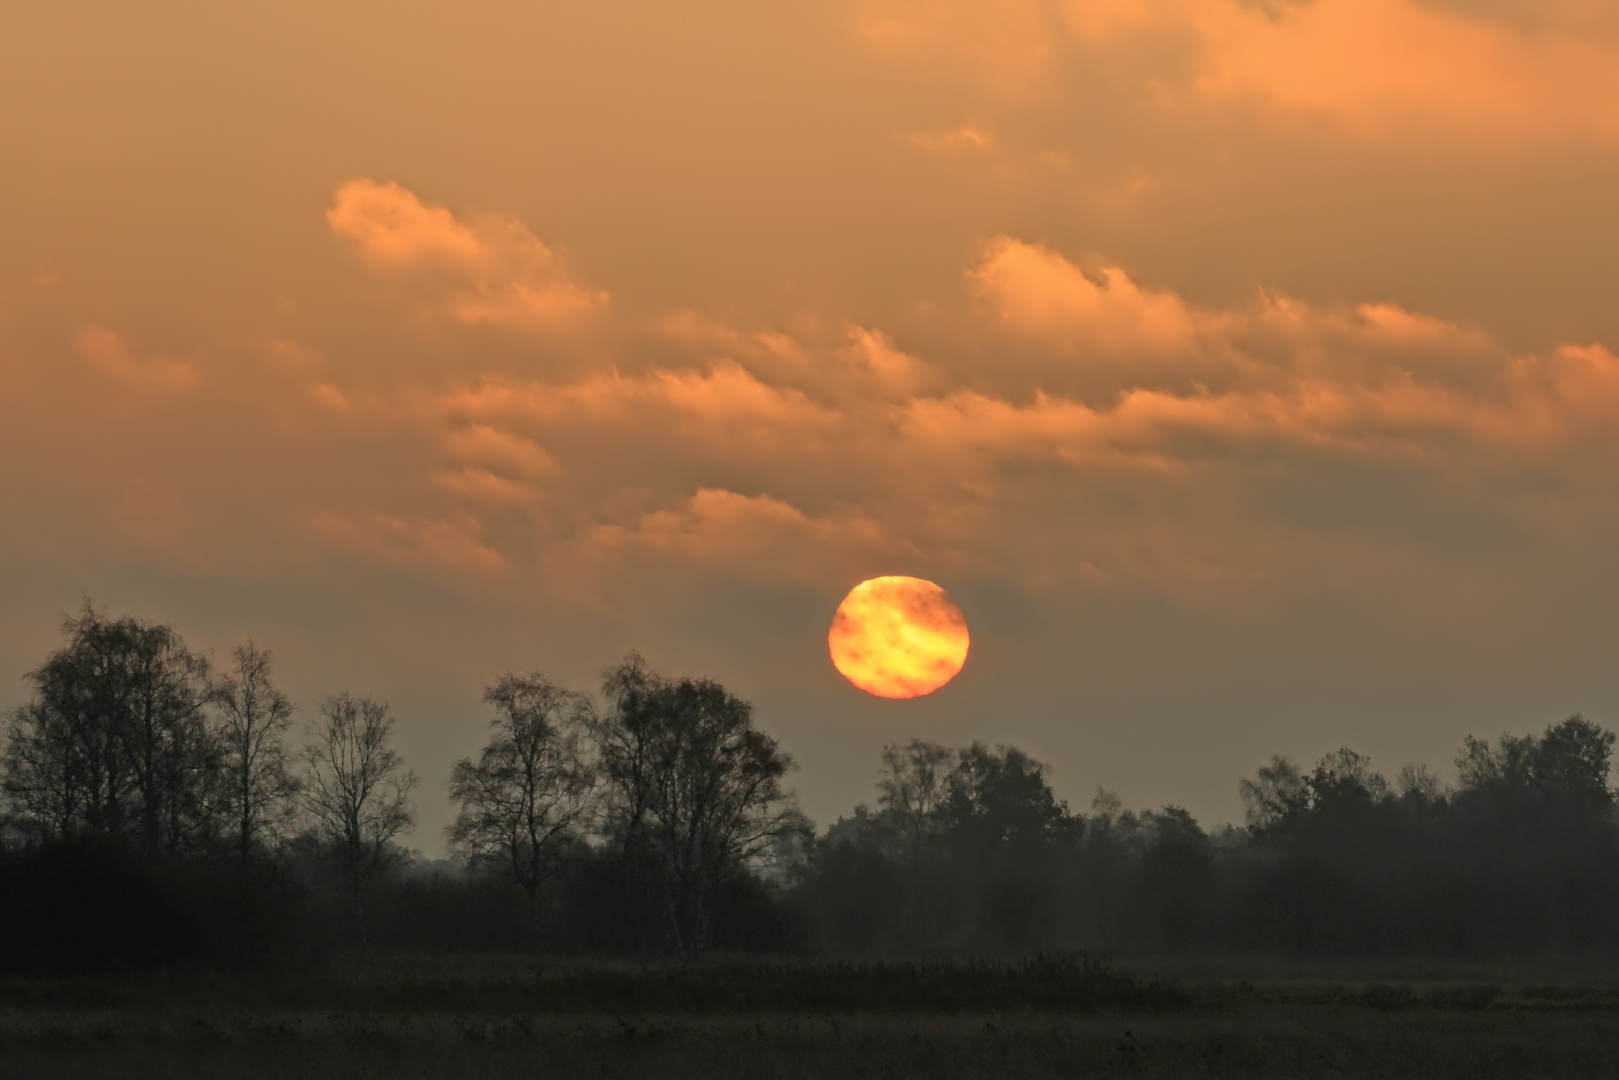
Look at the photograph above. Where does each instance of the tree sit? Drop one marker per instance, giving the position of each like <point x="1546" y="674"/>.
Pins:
<point x="1572" y="762"/>
<point x="258" y="788"/>
<point x="530" y="791"/>
<point x="694" y="787"/>
<point x="1567" y="767"/>
<point x="1419" y="787"/>
<point x="114" y="742"/>
<point x="911" y="789"/>
<point x="626" y="738"/>
<point x="1000" y="799"/>
<point x="1176" y="870"/>
<point x="1277" y="792"/>
<point x="1327" y="806"/>
<point x="1507" y="766"/>
<point x="357" y="791"/>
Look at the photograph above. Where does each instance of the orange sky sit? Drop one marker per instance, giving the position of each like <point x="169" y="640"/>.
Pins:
<point x="1246" y="369"/>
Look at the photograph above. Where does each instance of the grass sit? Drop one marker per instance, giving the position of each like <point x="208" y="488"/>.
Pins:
<point x="1057" y="1017"/>
<point x="1062" y="983"/>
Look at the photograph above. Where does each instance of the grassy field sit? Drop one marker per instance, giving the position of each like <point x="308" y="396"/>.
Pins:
<point x="1053" y="1018"/>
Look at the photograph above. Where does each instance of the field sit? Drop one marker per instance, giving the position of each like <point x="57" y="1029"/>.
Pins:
<point x="1049" y="1018"/>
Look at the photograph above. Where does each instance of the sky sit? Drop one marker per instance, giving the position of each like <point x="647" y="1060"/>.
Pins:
<point x="1246" y="370"/>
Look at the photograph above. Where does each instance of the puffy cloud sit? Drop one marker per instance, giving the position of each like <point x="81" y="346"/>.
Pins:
<point x="1039" y="292"/>
<point x="392" y="227"/>
<point x="507" y="276"/>
<point x="1373" y="380"/>
<point x="106" y="351"/>
<point x="895" y="371"/>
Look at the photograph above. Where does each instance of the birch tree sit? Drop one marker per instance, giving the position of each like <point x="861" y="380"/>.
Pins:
<point x="356" y="790"/>
<point x="530" y="793"/>
<point x="258" y="787"/>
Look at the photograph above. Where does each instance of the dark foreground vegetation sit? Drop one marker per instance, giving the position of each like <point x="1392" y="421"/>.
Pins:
<point x="487" y="1017"/>
<point x="185" y="887"/>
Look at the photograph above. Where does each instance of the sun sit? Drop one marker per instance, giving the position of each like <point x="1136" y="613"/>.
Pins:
<point x="898" y="637"/>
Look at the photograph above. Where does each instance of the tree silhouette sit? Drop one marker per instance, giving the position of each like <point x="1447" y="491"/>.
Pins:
<point x="912" y="785"/>
<point x="693" y="786"/>
<point x="1000" y="799"/>
<point x="114" y="742"/>
<point x="911" y="788"/>
<point x="531" y="791"/>
<point x="357" y="792"/>
<point x="258" y="788"/>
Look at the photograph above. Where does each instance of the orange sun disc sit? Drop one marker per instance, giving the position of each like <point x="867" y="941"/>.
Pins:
<point x="898" y="637"/>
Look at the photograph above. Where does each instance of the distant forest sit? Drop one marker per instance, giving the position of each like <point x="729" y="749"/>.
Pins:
<point x="159" y="810"/>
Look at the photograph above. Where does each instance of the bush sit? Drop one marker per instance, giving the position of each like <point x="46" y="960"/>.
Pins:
<point x="84" y="906"/>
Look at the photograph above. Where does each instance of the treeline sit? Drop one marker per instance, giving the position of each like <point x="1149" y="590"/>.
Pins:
<point x="969" y="850"/>
<point x="156" y="812"/>
<point x="159" y="811"/>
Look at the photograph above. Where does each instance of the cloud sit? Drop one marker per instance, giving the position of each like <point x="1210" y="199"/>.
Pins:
<point x="1377" y="67"/>
<point x="106" y="351"/>
<point x="963" y="139"/>
<point x="1011" y="426"/>
<point x="723" y="401"/>
<point x="928" y="464"/>
<point x="488" y="447"/>
<point x="454" y="544"/>
<point x="1382" y="64"/>
<point x="873" y="353"/>
<point x="392" y="227"/>
<point x="1324" y="395"/>
<point x="1038" y="292"/>
<point x="506" y="276"/>
<point x="481" y="485"/>
<point x="1009" y="45"/>
<point x="329" y="396"/>
<point x="754" y="534"/>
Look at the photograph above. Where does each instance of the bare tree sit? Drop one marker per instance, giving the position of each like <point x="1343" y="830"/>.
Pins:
<point x="1418" y="784"/>
<point x="258" y="788"/>
<point x="693" y="785"/>
<point x="530" y="792"/>
<point x="911" y="787"/>
<point x="626" y="743"/>
<point x="47" y="780"/>
<point x="357" y="791"/>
